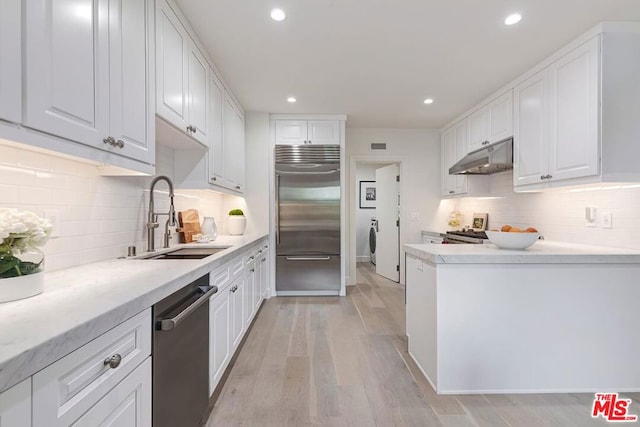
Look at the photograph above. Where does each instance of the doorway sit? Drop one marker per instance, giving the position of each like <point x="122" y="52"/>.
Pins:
<point x="376" y="216"/>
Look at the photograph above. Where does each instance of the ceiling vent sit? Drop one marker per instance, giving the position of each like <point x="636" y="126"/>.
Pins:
<point x="378" y="146"/>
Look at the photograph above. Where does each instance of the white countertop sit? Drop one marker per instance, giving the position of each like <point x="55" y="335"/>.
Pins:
<point x="542" y="252"/>
<point x="80" y="303"/>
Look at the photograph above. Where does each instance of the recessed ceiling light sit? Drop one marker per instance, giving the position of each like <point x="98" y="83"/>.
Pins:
<point x="428" y="101"/>
<point x="278" y="14"/>
<point x="514" y="18"/>
<point x="291" y="99"/>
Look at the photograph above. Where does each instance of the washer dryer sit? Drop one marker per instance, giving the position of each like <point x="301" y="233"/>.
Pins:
<point x="373" y="234"/>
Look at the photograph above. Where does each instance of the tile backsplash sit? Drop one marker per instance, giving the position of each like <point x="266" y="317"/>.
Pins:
<point x="560" y="214"/>
<point x="98" y="216"/>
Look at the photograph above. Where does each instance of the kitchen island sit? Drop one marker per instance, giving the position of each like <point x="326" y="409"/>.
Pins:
<point x="553" y="318"/>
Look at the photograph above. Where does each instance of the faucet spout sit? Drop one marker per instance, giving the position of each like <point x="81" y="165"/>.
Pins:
<point x="152" y="216"/>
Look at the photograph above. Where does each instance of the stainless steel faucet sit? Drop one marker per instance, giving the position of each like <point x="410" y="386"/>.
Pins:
<point x="152" y="218"/>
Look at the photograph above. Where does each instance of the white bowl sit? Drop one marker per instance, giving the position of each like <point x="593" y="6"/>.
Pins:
<point x="506" y="240"/>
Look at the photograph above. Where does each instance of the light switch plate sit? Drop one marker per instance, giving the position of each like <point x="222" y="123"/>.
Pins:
<point x="607" y="219"/>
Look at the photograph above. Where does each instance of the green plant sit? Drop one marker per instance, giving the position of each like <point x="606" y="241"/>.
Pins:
<point x="234" y="212"/>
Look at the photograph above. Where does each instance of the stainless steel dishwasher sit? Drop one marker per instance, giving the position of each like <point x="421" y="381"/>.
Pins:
<point x="181" y="356"/>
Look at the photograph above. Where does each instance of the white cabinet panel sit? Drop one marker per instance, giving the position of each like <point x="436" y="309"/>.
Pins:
<point x="291" y="132"/>
<point x="172" y="53"/>
<point x="454" y="147"/>
<point x="531" y="129"/>
<point x="10" y="61"/>
<point x="197" y="95"/>
<point x="66" y="87"/>
<point x="15" y="405"/>
<point x="219" y="336"/>
<point x="573" y="143"/>
<point x="491" y="123"/>
<point x="236" y="302"/>
<point x="127" y="405"/>
<point x="233" y="146"/>
<point x="130" y="82"/>
<point x="323" y="132"/>
<point x="295" y="132"/>
<point x="216" y="112"/>
<point x="64" y="391"/>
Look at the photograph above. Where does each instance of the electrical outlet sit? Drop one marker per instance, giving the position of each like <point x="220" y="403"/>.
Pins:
<point x="607" y="219"/>
<point x="415" y="216"/>
<point x="53" y="216"/>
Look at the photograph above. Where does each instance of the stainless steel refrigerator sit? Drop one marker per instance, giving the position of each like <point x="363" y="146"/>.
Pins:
<point x="307" y="219"/>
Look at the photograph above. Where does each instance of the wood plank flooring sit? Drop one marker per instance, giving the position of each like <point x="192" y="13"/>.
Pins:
<point x="329" y="361"/>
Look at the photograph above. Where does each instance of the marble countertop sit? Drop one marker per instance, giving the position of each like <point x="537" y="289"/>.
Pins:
<point x="81" y="303"/>
<point x="542" y="252"/>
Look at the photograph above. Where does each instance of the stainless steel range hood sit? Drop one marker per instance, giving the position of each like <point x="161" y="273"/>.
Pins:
<point x="494" y="158"/>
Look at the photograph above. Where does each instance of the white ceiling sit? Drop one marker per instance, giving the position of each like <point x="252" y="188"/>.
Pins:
<point x="377" y="60"/>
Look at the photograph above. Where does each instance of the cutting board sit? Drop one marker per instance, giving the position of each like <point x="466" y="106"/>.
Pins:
<point x="189" y="225"/>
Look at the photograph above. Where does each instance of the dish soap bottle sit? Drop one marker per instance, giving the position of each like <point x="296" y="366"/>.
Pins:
<point x="209" y="228"/>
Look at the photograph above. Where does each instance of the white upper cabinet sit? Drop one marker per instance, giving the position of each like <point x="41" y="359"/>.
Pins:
<point x="573" y="139"/>
<point x="10" y="61"/>
<point x="491" y="123"/>
<point x="531" y="129"/>
<point x="556" y="120"/>
<point x="181" y="70"/>
<point x="294" y="132"/>
<point x="87" y="73"/>
<point x="216" y="114"/>
<point x="233" y="145"/>
<point x="454" y="147"/>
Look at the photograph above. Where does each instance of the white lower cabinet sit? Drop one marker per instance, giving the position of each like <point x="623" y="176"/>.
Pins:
<point x="219" y="336"/>
<point x="15" y="405"/>
<point x="236" y="307"/>
<point x="104" y="382"/>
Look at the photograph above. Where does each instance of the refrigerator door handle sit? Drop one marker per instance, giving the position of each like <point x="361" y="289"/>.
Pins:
<point x="308" y="258"/>
<point x="277" y="209"/>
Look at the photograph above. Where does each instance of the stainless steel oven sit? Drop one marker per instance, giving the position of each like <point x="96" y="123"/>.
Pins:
<point x="181" y="356"/>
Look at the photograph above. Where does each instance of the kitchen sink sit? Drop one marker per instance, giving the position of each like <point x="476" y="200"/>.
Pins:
<point x="187" y="253"/>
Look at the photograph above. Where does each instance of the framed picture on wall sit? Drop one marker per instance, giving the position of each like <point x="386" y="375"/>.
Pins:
<point x="367" y="194"/>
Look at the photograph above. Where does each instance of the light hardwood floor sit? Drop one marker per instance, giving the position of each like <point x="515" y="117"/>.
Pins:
<point x="329" y="361"/>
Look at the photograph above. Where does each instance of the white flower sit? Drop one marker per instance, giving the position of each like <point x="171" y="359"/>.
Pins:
<point x="23" y="229"/>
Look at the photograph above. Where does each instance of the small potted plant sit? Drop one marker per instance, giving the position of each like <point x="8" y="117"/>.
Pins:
<point x="237" y="222"/>
<point x="21" y="262"/>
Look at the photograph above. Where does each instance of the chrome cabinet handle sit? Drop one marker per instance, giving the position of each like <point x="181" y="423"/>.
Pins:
<point x="234" y="289"/>
<point x="214" y="179"/>
<point x="264" y="259"/>
<point x="541" y="176"/>
<point x="251" y="258"/>
<point x="120" y="143"/>
<point x="237" y="187"/>
<point x="110" y="141"/>
<point x="549" y="176"/>
<point x="113" y="361"/>
<point x="252" y="270"/>
<point x="451" y="191"/>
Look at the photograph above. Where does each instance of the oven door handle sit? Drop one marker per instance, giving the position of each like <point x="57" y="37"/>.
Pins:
<point x="169" y="324"/>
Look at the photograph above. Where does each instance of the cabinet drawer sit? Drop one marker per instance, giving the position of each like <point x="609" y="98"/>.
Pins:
<point x="236" y="266"/>
<point x="65" y="390"/>
<point x="220" y="277"/>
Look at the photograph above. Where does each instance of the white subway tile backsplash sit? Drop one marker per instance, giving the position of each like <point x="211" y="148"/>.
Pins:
<point x="559" y="214"/>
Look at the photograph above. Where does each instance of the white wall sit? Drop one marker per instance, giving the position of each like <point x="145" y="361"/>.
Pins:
<point x="559" y="214"/>
<point x="364" y="172"/>
<point x="419" y="152"/>
<point x="98" y="216"/>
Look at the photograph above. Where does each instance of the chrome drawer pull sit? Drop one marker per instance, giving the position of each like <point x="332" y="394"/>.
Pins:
<point x="113" y="362"/>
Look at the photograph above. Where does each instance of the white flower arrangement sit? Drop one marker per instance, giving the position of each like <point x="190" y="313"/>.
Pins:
<point x="20" y="232"/>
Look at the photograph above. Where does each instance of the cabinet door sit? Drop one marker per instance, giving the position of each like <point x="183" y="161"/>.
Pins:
<point x="216" y="111"/>
<point x="574" y="143"/>
<point x="479" y="128"/>
<point x="129" y="66"/>
<point x="501" y="118"/>
<point x="10" y="61"/>
<point x="15" y="405"/>
<point x="531" y="131"/>
<point x="233" y="146"/>
<point x="264" y="274"/>
<point x="197" y="94"/>
<point x="127" y="405"/>
<point x="291" y="132"/>
<point x="250" y="289"/>
<point x="454" y="143"/>
<point x="172" y="54"/>
<point x="237" y="312"/>
<point x="67" y="69"/>
<point x="323" y="131"/>
<point x="219" y="337"/>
